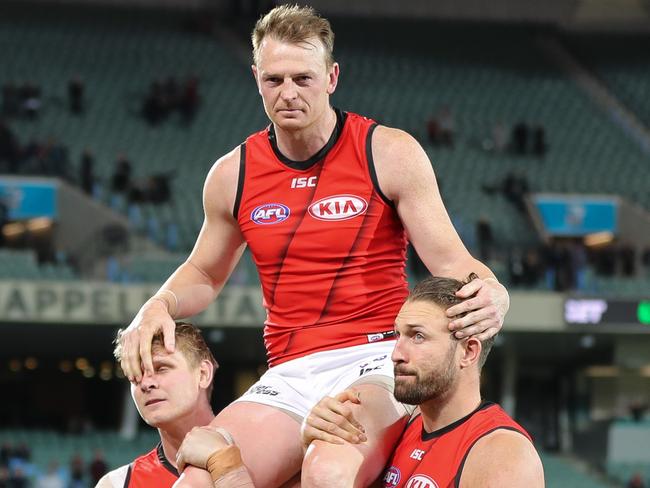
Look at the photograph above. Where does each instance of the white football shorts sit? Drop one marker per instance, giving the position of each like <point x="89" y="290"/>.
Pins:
<point x="297" y="385"/>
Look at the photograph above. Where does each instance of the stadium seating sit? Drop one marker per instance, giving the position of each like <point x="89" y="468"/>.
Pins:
<point x="18" y="264"/>
<point x="562" y="473"/>
<point x="401" y="81"/>
<point x="621" y="61"/>
<point x="48" y="445"/>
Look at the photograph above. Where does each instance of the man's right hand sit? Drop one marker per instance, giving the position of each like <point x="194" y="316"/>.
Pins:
<point x="136" y="339"/>
<point x="331" y="420"/>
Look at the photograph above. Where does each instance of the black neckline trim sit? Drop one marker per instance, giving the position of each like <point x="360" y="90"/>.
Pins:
<point x="320" y="155"/>
<point x="427" y="436"/>
<point x="164" y="461"/>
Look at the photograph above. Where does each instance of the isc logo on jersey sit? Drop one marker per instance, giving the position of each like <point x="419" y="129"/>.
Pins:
<point x="392" y="477"/>
<point x="420" y="481"/>
<point x="338" y="207"/>
<point x="270" y="213"/>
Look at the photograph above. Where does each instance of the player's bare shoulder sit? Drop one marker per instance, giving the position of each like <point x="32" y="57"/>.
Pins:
<point x="220" y="189"/>
<point x="503" y="458"/>
<point x="399" y="160"/>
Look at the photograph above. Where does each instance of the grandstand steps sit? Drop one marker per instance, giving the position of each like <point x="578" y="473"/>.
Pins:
<point x="91" y="232"/>
<point x="599" y="93"/>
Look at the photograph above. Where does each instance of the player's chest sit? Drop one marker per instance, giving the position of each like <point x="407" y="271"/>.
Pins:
<point x="419" y="465"/>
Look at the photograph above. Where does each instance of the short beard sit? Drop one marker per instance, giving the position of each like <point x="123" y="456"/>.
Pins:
<point x="434" y="385"/>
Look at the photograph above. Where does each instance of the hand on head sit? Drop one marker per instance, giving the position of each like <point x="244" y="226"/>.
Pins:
<point x="485" y="306"/>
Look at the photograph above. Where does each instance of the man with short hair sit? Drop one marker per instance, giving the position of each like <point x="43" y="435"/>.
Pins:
<point x="174" y="398"/>
<point x="454" y="439"/>
<point x="325" y="200"/>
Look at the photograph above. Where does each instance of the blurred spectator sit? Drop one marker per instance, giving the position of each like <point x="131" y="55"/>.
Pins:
<point x="53" y="159"/>
<point x="154" y="107"/>
<point x="18" y="479"/>
<point x="77" y="469"/>
<point x="30" y="96"/>
<point x="22" y="452"/>
<point x="171" y="94"/>
<point x="627" y="256"/>
<point x="4" y="219"/>
<point x="5" y="454"/>
<point x="532" y="267"/>
<point x="636" y="481"/>
<point x="4" y="477"/>
<point x="498" y="140"/>
<point x="51" y="479"/>
<point x="515" y="189"/>
<point x="441" y="128"/>
<point x="433" y="131"/>
<point x="158" y="189"/>
<point x="190" y="101"/>
<point x="485" y="238"/>
<point x="10" y="100"/>
<point x="539" y="141"/>
<point x="520" y="135"/>
<point x="578" y="260"/>
<point x="9" y="147"/>
<point x="447" y="126"/>
<point x="87" y="172"/>
<point x="76" y="90"/>
<point x="121" y="179"/>
<point x="637" y="410"/>
<point x="98" y="467"/>
<point x="645" y="259"/>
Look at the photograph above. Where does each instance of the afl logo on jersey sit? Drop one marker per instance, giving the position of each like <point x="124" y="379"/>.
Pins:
<point x="270" y="213"/>
<point x="392" y="477"/>
<point x="338" y="207"/>
<point x="420" y="481"/>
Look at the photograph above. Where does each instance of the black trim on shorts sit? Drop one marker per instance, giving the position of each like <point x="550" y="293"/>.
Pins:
<point x="127" y="479"/>
<point x="341" y="117"/>
<point x="427" y="436"/>
<point x="371" y="166"/>
<point x="164" y="461"/>
<point x="240" y="180"/>
<point x="462" y="464"/>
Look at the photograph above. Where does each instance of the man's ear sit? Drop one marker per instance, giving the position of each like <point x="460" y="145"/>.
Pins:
<point x="471" y="348"/>
<point x="257" y="78"/>
<point x="333" y="78"/>
<point x="206" y="373"/>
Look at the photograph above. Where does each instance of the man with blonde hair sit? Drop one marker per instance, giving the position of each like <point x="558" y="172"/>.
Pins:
<point x="325" y="200"/>
<point x="173" y="398"/>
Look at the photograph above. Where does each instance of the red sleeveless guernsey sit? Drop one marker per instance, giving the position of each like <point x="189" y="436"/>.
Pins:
<point x="436" y="459"/>
<point x="328" y="245"/>
<point x="151" y="469"/>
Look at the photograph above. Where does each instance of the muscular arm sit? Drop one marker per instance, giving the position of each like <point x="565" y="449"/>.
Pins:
<point x="218" y="247"/>
<point x="406" y="177"/>
<point x="503" y="458"/>
<point x="196" y="283"/>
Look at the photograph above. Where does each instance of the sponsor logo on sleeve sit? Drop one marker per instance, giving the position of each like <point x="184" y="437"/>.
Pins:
<point x="270" y="213"/>
<point x="338" y="207"/>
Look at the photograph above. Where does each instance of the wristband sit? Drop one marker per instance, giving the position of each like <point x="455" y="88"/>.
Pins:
<point x="224" y="461"/>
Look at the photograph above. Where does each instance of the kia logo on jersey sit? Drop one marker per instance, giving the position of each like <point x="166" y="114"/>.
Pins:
<point x="420" y="481"/>
<point x="338" y="207"/>
<point x="392" y="477"/>
<point x="270" y="213"/>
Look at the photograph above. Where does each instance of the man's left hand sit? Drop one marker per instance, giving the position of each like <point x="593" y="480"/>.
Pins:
<point x="197" y="447"/>
<point x="485" y="310"/>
